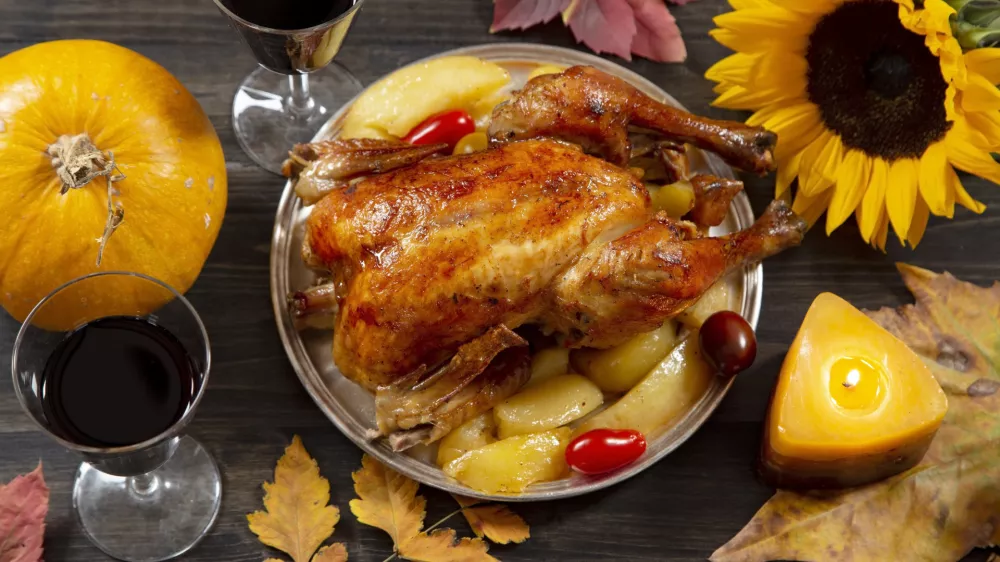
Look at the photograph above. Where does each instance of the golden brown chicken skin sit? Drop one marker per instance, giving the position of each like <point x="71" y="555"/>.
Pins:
<point x="434" y="255"/>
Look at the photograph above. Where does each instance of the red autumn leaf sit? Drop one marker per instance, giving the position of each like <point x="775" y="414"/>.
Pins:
<point x="522" y="14"/>
<point x="606" y="26"/>
<point x="23" y="505"/>
<point x="657" y="36"/>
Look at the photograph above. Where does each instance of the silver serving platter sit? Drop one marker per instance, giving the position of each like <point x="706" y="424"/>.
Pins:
<point x="352" y="409"/>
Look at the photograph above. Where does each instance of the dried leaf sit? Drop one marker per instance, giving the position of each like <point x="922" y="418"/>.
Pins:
<point x="522" y="14"/>
<point x="297" y="518"/>
<point x="274" y="560"/>
<point x="24" y="502"/>
<point x="335" y="552"/>
<point x="440" y="546"/>
<point x="620" y="27"/>
<point x="496" y="522"/>
<point x="657" y="36"/>
<point x="388" y="501"/>
<point x="606" y="26"/>
<point x="948" y="504"/>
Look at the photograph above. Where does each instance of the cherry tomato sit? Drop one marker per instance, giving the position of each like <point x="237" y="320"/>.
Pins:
<point x="603" y="450"/>
<point x="472" y="142"/>
<point x="447" y="127"/>
<point x="728" y="342"/>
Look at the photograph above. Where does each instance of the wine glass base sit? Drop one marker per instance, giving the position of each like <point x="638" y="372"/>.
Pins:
<point x="267" y="128"/>
<point x="162" y="521"/>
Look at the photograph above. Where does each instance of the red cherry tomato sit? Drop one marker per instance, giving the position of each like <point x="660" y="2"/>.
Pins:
<point x="448" y="127"/>
<point x="603" y="450"/>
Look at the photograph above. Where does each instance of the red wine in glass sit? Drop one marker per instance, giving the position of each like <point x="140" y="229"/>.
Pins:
<point x="112" y="365"/>
<point x="117" y="381"/>
<point x="288" y="100"/>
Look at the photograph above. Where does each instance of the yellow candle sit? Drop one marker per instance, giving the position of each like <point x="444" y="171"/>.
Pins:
<point x="852" y="403"/>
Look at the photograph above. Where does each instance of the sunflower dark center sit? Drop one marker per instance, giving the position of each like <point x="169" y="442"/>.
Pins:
<point x="875" y="83"/>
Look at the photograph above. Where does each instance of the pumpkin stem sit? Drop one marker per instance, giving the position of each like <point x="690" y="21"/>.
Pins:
<point x="77" y="162"/>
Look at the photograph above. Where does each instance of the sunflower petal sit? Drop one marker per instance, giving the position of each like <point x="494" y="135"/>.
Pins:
<point x="812" y="7"/>
<point x="786" y="175"/>
<point x="780" y="71"/>
<point x="767" y="22"/>
<point x="919" y="224"/>
<point x="819" y="165"/>
<point x="739" y="97"/>
<point x="965" y="156"/>
<point x="987" y="124"/>
<point x="963" y="198"/>
<point x="980" y="94"/>
<point x="735" y="68"/>
<point x="901" y="195"/>
<point x="934" y="184"/>
<point x="811" y="208"/>
<point x="881" y="233"/>
<point x="873" y="204"/>
<point x="985" y="61"/>
<point x="796" y="129"/>
<point x="852" y="179"/>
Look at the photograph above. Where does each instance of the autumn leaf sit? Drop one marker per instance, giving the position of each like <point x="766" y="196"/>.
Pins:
<point x="947" y="505"/>
<point x="657" y="36"/>
<point x="388" y="500"/>
<point x="24" y="502"/>
<point x="619" y="27"/>
<point x="522" y="14"/>
<point x="336" y="552"/>
<point x="440" y="546"/>
<point x="297" y="518"/>
<point x="496" y="522"/>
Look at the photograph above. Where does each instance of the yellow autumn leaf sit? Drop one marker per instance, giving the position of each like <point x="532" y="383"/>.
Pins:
<point x="336" y="552"/>
<point x="496" y="522"/>
<point x="297" y="518"/>
<point x="387" y="500"/>
<point x="948" y="504"/>
<point x="440" y="546"/>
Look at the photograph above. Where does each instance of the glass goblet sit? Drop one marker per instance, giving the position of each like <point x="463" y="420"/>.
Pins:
<point x="141" y="502"/>
<point x="297" y="87"/>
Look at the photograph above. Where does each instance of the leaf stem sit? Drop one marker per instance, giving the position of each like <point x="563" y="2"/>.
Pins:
<point x="440" y="522"/>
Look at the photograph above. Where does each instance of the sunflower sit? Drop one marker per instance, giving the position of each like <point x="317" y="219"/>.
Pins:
<point x="874" y="102"/>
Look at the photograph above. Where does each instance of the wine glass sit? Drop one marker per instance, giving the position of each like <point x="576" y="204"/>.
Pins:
<point x="145" y="501"/>
<point x="296" y="89"/>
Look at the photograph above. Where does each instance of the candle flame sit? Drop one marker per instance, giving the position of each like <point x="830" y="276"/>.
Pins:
<point x="853" y="378"/>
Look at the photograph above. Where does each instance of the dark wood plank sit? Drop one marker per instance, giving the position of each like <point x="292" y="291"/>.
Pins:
<point x="680" y="510"/>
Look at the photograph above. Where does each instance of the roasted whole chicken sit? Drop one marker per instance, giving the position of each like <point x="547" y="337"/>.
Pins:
<point x="433" y="261"/>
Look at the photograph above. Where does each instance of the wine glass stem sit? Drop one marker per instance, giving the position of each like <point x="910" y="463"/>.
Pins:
<point x="143" y="485"/>
<point x="300" y="101"/>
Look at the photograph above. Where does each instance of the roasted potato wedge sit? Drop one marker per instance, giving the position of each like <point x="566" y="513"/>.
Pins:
<point x="473" y="434"/>
<point x="402" y="100"/>
<point x="547" y="405"/>
<point x="665" y="394"/>
<point x="511" y="465"/>
<point x="676" y="198"/>
<point x="547" y="363"/>
<point x="717" y="298"/>
<point x="618" y="369"/>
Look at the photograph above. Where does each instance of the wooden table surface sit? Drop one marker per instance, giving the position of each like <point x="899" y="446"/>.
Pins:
<point x="681" y="509"/>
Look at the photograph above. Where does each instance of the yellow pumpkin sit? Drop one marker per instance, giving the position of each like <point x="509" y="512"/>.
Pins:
<point x="66" y="109"/>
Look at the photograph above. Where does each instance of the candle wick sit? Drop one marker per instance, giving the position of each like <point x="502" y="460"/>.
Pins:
<point x="853" y="378"/>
